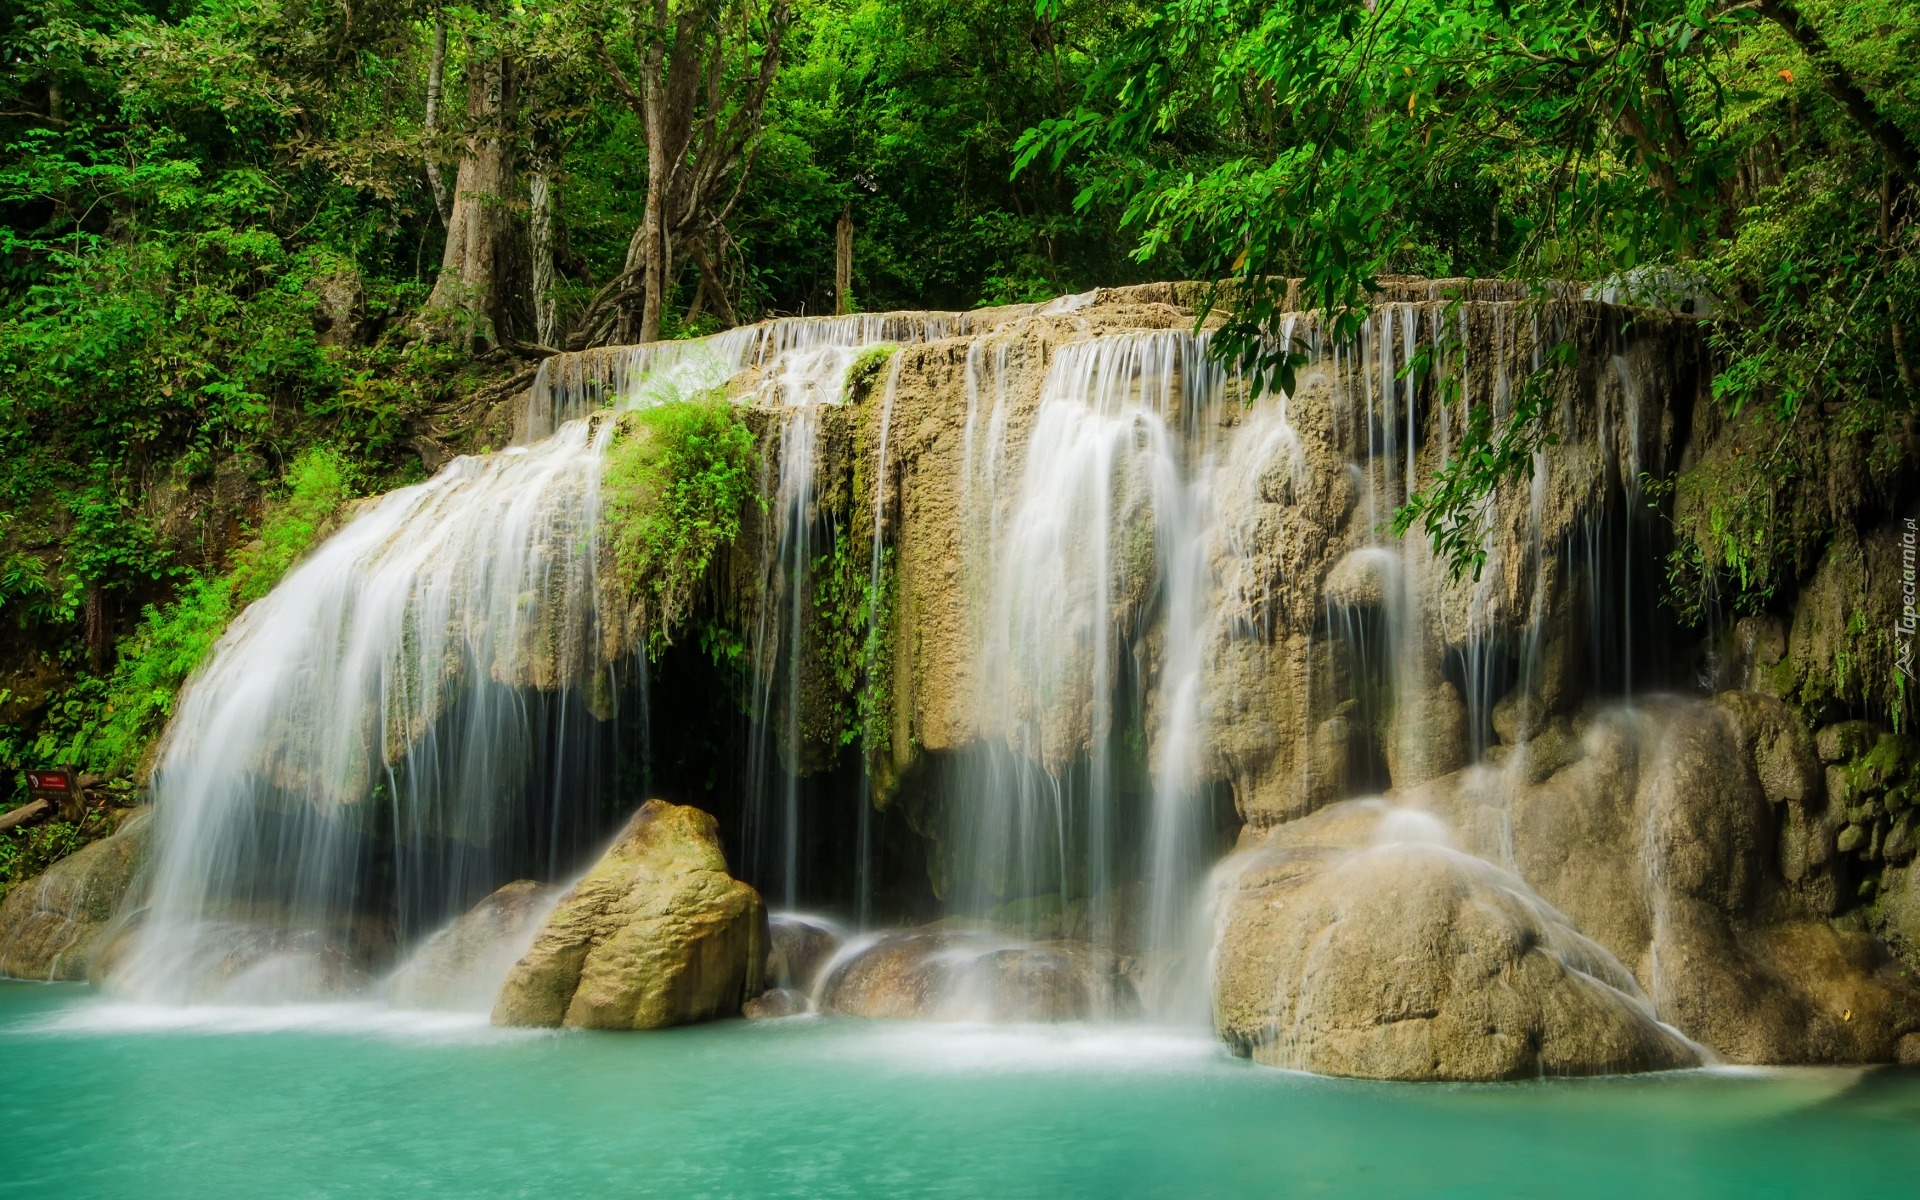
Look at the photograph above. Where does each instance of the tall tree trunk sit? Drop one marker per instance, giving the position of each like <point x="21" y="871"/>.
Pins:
<point x="99" y="629"/>
<point x="653" y="223"/>
<point x="646" y="257"/>
<point x="482" y="275"/>
<point x="696" y="147"/>
<point x="436" y="78"/>
<point x="843" y="263"/>
<point x="540" y="196"/>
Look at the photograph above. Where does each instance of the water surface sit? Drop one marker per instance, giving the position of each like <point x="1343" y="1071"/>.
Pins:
<point x="103" y="1099"/>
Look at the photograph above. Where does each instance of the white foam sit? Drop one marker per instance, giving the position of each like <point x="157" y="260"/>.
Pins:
<point x="1003" y="1049"/>
<point x="364" y="1018"/>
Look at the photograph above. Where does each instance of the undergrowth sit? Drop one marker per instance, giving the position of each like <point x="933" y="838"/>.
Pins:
<point x="106" y="724"/>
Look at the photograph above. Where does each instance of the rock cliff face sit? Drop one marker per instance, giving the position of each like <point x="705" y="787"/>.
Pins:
<point x="1710" y="867"/>
<point x="1673" y="833"/>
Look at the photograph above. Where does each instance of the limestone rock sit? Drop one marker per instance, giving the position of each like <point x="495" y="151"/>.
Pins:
<point x="1659" y="842"/>
<point x="1355" y="942"/>
<point x="777" y="1003"/>
<point x="1781" y="749"/>
<point x="462" y="966"/>
<point x="657" y="934"/>
<point x="797" y="948"/>
<point x="53" y="926"/>
<point x="1363" y="579"/>
<point x="1429" y="733"/>
<point x="1848" y="739"/>
<point x="931" y="975"/>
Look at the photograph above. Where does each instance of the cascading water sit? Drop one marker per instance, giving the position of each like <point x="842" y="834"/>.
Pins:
<point x="808" y="376"/>
<point x="424" y="709"/>
<point x="417" y="710"/>
<point x="1103" y="547"/>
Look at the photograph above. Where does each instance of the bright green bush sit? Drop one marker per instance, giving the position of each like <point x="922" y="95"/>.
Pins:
<point x="677" y="478"/>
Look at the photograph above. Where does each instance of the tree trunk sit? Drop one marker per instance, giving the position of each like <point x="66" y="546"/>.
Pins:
<point x="436" y="78"/>
<point x="482" y="282"/>
<point x="541" y="202"/>
<point x="99" y="629"/>
<point x="652" y="232"/>
<point x="843" y="263"/>
<point x="716" y="289"/>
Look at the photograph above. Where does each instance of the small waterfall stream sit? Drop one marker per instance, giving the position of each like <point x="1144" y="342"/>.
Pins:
<point x="1103" y="546"/>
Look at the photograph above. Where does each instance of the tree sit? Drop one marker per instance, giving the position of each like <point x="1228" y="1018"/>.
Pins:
<point x="704" y="72"/>
<point x="484" y="268"/>
<point x="1339" y="140"/>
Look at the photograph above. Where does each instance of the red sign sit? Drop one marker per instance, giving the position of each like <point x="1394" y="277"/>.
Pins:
<point x="48" y="781"/>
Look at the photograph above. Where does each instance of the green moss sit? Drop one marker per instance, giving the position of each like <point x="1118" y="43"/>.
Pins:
<point x="676" y="481"/>
<point x="866" y="370"/>
<point x="853" y="630"/>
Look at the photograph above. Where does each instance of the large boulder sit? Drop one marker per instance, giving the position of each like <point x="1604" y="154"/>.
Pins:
<point x="1681" y="835"/>
<point x="462" y="966"/>
<point x="939" y="975"/>
<point x="53" y="926"/>
<point x="1357" y="942"/>
<point x="657" y="934"/>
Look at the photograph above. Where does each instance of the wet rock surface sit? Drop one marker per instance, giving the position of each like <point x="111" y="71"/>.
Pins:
<point x="776" y="1003"/>
<point x="54" y="926"/>
<point x="938" y="975"/>
<point x="1680" y="835"/>
<point x="798" y="947"/>
<point x="462" y="966"/>
<point x="656" y="934"/>
<point x="1356" y="942"/>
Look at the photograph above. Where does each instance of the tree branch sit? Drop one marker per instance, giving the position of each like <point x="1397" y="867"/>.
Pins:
<point x="1839" y="84"/>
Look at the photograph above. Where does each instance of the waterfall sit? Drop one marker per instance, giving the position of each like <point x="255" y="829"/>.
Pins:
<point x="1104" y="546"/>
<point x="875" y="631"/>
<point x="418" y="709"/>
<point x="1121" y="564"/>
<point x="424" y="708"/>
<point x="809" y="360"/>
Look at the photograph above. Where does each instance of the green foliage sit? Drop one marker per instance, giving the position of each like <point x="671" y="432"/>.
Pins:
<point x="1450" y="507"/>
<point x="677" y="478"/>
<point x="853" y="626"/>
<point x="1337" y="142"/>
<point x="106" y="725"/>
<point x="28" y="850"/>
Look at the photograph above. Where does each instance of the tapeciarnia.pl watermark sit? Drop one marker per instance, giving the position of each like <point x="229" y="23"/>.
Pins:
<point x="1904" y="627"/>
